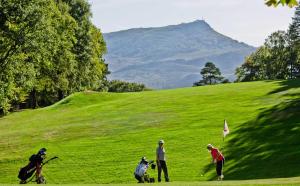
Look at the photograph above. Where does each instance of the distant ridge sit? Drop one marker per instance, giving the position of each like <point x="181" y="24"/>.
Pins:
<point x="171" y="56"/>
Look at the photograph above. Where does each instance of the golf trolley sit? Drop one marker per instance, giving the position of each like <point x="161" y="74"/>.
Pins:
<point x="147" y="177"/>
<point x="27" y="176"/>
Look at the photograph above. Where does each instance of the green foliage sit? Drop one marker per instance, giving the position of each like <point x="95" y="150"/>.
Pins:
<point x="21" y="36"/>
<point x="48" y="50"/>
<point x="225" y="81"/>
<point x="100" y="137"/>
<point x="294" y="44"/>
<point x="278" y="58"/>
<point x="210" y="75"/>
<point x="122" y="86"/>
<point x="290" y="3"/>
<point x="269" y="62"/>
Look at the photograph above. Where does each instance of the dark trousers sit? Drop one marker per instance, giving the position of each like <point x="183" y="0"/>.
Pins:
<point x="219" y="167"/>
<point x="142" y="179"/>
<point x="162" y="166"/>
<point x="139" y="178"/>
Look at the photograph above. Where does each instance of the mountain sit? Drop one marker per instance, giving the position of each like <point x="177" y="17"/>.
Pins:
<point x="171" y="56"/>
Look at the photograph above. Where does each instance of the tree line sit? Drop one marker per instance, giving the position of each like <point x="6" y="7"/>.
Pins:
<point x="48" y="50"/>
<point x="278" y="58"/>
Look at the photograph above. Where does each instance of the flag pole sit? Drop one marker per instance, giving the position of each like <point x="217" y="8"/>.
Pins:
<point x="223" y="131"/>
<point x="225" y="127"/>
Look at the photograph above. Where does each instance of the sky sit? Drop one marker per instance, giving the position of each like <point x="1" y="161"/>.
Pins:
<point x="249" y="21"/>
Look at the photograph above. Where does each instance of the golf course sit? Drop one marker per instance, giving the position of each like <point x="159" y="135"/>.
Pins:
<point x="101" y="137"/>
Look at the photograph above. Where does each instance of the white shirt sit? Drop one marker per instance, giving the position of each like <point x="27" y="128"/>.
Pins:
<point x="141" y="169"/>
<point x="160" y="152"/>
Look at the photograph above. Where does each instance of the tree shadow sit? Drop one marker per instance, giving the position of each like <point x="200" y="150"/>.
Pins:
<point x="286" y="85"/>
<point x="207" y="168"/>
<point x="269" y="146"/>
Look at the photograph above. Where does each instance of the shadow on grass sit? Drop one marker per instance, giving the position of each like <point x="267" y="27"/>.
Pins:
<point x="206" y="169"/>
<point x="269" y="146"/>
<point x="286" y="85"/>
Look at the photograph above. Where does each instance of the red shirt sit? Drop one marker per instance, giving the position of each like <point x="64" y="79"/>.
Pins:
<point x="216" y="154"/>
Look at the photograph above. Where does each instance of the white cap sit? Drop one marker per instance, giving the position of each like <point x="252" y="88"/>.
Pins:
<point x="161" y="141"/>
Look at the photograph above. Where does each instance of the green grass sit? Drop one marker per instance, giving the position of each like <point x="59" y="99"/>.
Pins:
<point x="261" y="182"/>
<point x="100" y="137"/>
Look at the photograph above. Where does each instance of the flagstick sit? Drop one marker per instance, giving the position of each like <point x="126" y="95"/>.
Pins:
<point x="225" y="132"/>
<point x="223" y="143"/>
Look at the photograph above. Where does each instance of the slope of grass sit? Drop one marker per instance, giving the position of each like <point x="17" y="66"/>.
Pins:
<point x="100" y="137"/>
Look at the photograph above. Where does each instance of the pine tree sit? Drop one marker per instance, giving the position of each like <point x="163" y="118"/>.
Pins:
<point x="210" y="75"/>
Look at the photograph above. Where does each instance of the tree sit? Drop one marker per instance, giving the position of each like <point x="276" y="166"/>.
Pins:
<point x="293" y="35"/>
<point x="23" y="34"/>
<point x="58" y="66"/>
<point x="269" y="62"/>
<point x="254" y="67"/>
<point x="210" y="75"/>
<point x="48" y="50"/>
<point x="290" y="3"/>
<point x="278" y="56"/>
<point x="89" y="48"/>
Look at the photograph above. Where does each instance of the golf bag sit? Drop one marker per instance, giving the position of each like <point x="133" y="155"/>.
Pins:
<point x="28" y="171"/>
<point x="25" y="174"/>
<point x="153" y="165"/>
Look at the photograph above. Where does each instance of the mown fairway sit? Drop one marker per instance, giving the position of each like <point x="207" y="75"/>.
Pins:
<point x="100" y="137"/>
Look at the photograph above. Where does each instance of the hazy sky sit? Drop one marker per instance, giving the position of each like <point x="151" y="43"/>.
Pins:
<point x="249" y="21"/>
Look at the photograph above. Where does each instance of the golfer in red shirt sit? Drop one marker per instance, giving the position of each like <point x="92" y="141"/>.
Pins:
<point x="218" y="159"/>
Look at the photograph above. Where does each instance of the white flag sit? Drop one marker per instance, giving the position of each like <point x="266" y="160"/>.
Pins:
<point x="226" y="129"/>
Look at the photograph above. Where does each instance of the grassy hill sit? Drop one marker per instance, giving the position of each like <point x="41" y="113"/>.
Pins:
<point x="100" y="137"/>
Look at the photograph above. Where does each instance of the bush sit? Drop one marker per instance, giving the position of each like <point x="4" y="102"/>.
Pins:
<point x="123" y="86"/>
<point x="225" y="81"/>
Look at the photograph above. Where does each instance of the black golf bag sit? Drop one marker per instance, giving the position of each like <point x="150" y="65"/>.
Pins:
<point x="27" y="171"/>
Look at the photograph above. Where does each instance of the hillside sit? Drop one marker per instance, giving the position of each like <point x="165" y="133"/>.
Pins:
<point x="100" y="137"/>
<point x="171" y="56"/>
